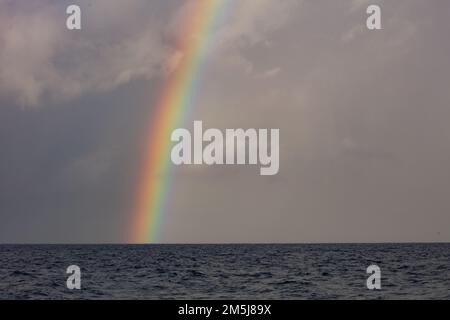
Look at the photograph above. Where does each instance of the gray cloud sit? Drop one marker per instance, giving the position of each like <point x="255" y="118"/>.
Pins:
<point x="119" y="42"/>
<point x="361" y="127"/>
<point x="42" y="61"/>
<point x="362" y="117"/>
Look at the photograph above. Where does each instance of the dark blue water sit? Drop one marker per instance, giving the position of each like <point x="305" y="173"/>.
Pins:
<point x="334" y="271"/>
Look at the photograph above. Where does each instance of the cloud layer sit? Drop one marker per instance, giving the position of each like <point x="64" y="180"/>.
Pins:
<point x="44" y="62"/>
<point x="363" y="118"/>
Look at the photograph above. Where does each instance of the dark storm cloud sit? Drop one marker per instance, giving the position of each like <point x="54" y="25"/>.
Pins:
<point x="66" y="172"/>
<point x="362" y="117"/>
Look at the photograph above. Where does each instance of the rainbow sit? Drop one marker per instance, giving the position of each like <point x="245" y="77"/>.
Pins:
<point x="172" y="107"/>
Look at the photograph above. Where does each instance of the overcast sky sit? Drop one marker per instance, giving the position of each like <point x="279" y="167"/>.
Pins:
<point x="363" y="118"/>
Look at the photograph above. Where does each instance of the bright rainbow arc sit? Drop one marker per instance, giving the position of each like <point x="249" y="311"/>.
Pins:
<point x="172" y="107"/>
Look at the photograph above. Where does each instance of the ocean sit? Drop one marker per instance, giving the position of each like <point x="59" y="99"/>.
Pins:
<point x="230" y="271"/>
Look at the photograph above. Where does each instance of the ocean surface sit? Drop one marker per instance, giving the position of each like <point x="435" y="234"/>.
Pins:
<point x="266" y="271"/>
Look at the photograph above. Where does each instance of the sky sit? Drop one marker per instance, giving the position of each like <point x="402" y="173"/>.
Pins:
<point x="363" y="118"/>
